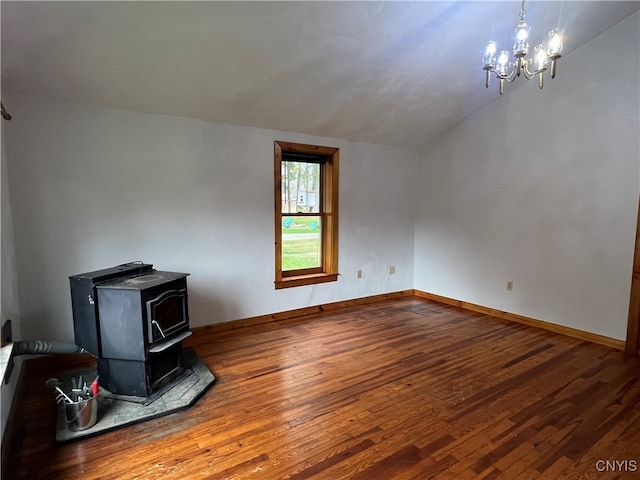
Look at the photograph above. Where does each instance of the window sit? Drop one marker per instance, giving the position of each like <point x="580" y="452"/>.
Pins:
<point x="306" y="214"/>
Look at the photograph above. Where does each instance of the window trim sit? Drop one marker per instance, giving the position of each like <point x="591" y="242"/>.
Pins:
<point x="328" y="272"/>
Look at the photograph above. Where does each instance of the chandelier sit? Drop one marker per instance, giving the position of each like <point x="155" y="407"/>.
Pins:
<point x="509" y="71"/>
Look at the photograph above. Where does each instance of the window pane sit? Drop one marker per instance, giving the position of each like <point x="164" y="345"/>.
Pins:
<point x="300" y="187"/>
<point x="301" y="242"/>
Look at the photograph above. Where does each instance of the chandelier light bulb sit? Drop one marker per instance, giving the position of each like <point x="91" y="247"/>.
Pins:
<point x="503" y="62"/>
<point x="489" y="58"/>
<point x="521" y="45"/>
<point x="541" y="58"/>
<point x="555" y="43"/>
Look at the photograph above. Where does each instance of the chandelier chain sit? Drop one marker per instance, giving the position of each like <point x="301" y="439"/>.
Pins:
<point x="523" y="12"/>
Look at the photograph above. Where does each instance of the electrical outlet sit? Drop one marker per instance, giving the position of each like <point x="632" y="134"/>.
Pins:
<point x="359" y="274"/>
<point x="392" y="269"/>
<point x="510" y="285"/>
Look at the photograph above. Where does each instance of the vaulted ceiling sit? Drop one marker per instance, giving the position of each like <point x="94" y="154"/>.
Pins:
<point x="395" y="73"/>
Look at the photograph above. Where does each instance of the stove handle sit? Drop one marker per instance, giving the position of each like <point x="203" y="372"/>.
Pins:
<point x="153" y="322"/>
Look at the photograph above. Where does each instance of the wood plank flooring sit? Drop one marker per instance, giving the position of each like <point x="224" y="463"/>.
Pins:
<point x="404" y="389"/>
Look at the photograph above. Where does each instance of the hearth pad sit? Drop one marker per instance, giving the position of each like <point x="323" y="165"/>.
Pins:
<point x="116" y="412"/>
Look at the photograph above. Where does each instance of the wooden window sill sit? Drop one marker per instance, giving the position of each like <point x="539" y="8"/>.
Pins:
<point x="310" y="279"/>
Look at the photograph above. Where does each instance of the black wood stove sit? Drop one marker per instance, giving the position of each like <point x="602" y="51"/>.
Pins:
<point x="133" y="318"/>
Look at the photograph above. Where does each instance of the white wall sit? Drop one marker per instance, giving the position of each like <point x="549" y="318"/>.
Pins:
<point x="541" y="188"/>
<point x="95" y="187"/>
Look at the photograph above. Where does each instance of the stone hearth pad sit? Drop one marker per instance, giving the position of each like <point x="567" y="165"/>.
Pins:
<point x="115" y="412"/>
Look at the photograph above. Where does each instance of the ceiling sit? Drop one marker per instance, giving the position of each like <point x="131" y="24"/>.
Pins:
<point x="394" y="73"/>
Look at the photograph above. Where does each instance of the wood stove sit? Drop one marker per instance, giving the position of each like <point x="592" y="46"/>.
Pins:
<point x="133" y="318"/>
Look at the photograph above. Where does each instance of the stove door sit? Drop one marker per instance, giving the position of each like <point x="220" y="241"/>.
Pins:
<point x="167" y="314"/>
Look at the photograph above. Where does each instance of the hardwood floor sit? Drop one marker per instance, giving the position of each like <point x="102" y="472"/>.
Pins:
<point x="404" y="389"/>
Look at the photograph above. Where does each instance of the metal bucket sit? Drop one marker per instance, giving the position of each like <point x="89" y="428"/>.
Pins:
<point x="81" y="415"/>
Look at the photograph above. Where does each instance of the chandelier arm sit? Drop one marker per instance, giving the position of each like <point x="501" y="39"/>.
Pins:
<point x="511" y="76"/>
<point x="517" y="67"/>
<point x="531" y="75"/>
